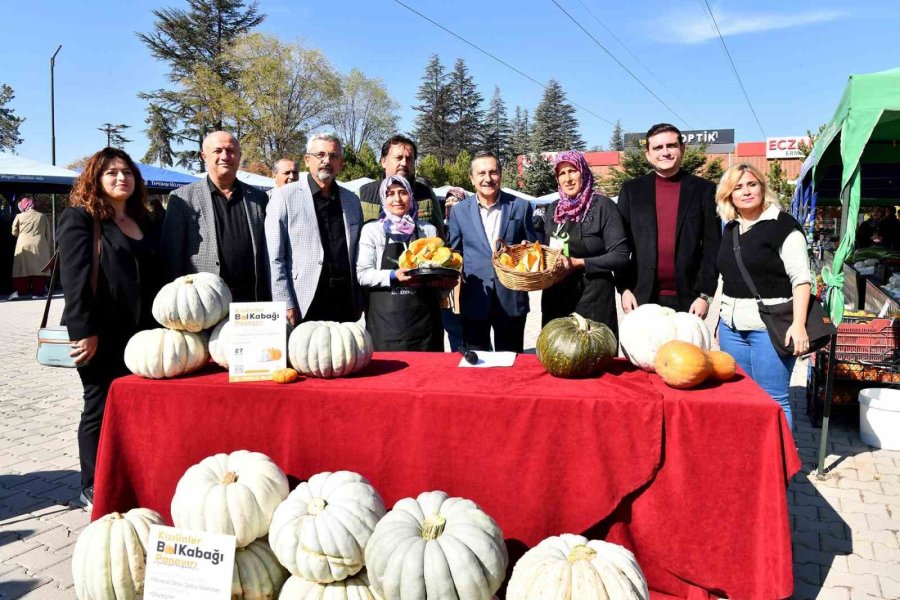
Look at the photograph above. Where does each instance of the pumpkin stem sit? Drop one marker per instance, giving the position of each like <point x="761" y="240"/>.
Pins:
<point x="116" y="515"/>
<point x="582" y="323"/>
<point x="315" y="506"/>
<point x="229" y="477"/>
<point x="581" y="552"/>
<point x="433" y="527"/>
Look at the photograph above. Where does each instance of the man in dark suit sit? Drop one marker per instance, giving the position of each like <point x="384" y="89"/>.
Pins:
<point x="670" y="218"/>
<point x="475" y="224"/>
<point x="217" y="224"/>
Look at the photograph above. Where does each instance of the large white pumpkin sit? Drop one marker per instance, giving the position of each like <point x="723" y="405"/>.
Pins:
<point x="649" y="326"/>
<point x="110" y="555"/>
<point x="569" y="566"/>
<point x="257" y="573"/>
<point x="438" y="548"/>
<point x="353" y="588"/>
<point x="192" y="302"/>
<point x="234" y="494"/>
<point x="164" y="353"/>
<point x="320" y="531"/>
<point x="329" y="349"/>
<point x="221" y="340"/>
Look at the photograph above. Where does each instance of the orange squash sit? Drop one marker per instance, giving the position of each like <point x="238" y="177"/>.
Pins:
<point x="723" y="365"/>
<point x="682" y="365"/>
<point x="285" y="376"/>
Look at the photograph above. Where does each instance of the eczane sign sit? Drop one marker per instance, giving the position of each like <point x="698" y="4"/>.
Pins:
<point x="785" y="147"/>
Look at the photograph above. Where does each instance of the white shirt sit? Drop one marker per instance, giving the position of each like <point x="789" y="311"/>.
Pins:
<point x="742" y="313"/>
<point x="490" y="220"/>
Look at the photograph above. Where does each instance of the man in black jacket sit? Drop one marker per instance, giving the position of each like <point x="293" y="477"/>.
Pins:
<point x="398" y="157"/>
<point x="670" y="218"/>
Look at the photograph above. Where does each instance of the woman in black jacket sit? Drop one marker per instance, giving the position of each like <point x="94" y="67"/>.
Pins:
<point x="104" y="309"/>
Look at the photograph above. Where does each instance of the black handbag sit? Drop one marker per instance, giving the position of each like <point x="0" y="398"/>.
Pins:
<point x="778" y="318"/>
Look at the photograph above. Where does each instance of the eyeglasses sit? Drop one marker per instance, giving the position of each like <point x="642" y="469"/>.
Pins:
<point x="323" y="155"/>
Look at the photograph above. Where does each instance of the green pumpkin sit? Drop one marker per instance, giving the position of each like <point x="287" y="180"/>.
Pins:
<point x="575" y="347"/>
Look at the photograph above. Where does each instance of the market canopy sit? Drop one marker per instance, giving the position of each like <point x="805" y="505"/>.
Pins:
<point x="23" y="175"/>
<point x="163" y="180"/>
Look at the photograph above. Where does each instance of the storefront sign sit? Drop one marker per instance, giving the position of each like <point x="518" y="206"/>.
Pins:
<point x="188" y="564"/>
<point x="259" y="340"/>
<point x="696" y="137"/>
<point x="785" y="147"/>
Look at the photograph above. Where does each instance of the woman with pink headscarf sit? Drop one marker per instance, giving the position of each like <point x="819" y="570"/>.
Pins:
<point x="587" y="228"/>
<point x="32" y="231"/>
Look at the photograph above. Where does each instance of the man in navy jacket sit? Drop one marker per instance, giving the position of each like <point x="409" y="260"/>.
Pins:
<point x="475" y="225"/>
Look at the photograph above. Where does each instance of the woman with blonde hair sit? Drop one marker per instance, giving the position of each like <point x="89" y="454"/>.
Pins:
<point x="773" y="250"/>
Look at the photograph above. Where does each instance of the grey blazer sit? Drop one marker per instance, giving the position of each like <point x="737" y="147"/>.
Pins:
<point x="189" y="241"/>
<point x="295" y="246"/>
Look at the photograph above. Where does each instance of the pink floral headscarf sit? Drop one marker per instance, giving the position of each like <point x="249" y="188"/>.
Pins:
<point x="574" y="209"/>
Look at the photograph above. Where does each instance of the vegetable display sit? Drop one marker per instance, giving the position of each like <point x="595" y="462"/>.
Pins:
<point x="575" y="347"/>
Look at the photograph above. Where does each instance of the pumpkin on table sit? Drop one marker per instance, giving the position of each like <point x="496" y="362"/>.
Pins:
<point x="329" y="349"/>
<point x="164" y="353"/>
<point x="234" y="494"/>
<point x="434" y="546"/>
<point x="649" y="326"/>
<point x="320" y="531"/>
<point x="109" y="559"/>
<point x="682" y="365"/>
<point x="352" y="588"/>
<point x="575" y="347"/>
<point x="569" y="566"/>
<point x="723" y="365"/>
<point x="257" y="573"/>
<point x="192" y="302"/>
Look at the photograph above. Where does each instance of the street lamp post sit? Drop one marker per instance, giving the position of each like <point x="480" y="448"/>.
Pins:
<point x="53" y="139"/>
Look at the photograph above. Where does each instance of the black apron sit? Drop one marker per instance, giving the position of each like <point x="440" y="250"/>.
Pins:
<point x="402" y="317"/>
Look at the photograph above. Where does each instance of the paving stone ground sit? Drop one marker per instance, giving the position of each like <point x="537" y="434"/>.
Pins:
<point x="846" y="528"/>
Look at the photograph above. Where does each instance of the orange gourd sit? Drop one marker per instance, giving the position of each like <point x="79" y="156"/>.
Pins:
<point x="285" y="376"/>
<point x="723" y="365"/>
<point x="682" y="365"/>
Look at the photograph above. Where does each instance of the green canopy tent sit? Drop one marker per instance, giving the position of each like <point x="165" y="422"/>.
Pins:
<point x="857" y="160"/>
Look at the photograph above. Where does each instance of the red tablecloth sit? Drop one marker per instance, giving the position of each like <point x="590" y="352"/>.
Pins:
<point x="693" y="482"/>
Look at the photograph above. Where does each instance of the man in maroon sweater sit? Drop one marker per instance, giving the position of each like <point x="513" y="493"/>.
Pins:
<point x="670" y="218"/>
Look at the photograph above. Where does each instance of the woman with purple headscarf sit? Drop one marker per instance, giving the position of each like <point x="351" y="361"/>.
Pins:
<point x="32" y="231"/>
<point x="587" y="228"/>
<point x="400" y="313"/>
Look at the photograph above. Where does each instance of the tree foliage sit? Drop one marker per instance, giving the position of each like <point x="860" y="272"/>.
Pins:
<point x="497" y="128"/>
<point x="159" y="133"/>
<point x="539" y="178"/>
<point x="520" y="134"/>
<point x="363" y="113"/>
<point x="431" y="169"/>
<point x="432" y="130"/>
<point x="805" y="149"/>
<point x="465" y="114"/>
<point x="555" y="124"/>
<point x="9" y="122"/>
<point x="360" y="164"/>
<point x="617" y="139"/>
<point x="633" y="164"/>
<point x="458" y="170"/>
<point x="115" y="137"/>
<point x="779" y="185"/>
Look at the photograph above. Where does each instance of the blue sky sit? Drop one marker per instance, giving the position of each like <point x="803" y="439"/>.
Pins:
<point x="794" y="59"/>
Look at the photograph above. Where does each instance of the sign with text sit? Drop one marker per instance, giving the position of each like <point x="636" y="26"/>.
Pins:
<point x="258" y="340"/>
<point x="188" y="564"/>
<point x="695" y="137"/>
<point x="785" y="147"/>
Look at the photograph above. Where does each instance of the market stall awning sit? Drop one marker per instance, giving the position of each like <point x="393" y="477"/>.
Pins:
<point x="158" y="179"/>
<point x="23" y="175"/>
<point x="257" y="181"/>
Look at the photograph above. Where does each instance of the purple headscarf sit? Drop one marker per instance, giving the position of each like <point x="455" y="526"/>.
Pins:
<point x="399" y="227"/>
<point x="574" y="209"/>
<point x="25" y="204"/>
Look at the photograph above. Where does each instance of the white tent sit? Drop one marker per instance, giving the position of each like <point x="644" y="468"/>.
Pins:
<point x="18" y="174"/>
<point x="257" y="181"/>
<point x="441" y="192"/>
<point x="354" y="184"/>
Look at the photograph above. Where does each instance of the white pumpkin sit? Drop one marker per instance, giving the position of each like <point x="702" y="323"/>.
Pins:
<point x="353" y="588"/>
<point x="192" y="302"/>
<point x="438" y="548"/>
<point x="569" y="566"/>
<point x="221" y="339"/>
<point x="649" y="326"/>
<point x="329" y="349"/>
<point x="109" y="559"/>
<point x="164" y="353"/>
<point x="320" y="531"/>
<point x="234" y="494"/>
<point x="257" y="573"/>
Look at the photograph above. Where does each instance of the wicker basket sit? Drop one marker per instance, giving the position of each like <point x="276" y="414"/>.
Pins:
<point x="525" y="282"/>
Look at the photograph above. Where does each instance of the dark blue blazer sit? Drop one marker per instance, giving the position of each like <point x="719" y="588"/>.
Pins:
<point x="479" y="280"/>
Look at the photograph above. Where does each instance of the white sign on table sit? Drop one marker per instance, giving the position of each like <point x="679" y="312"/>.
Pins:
<point x="259" y="340"/>
<point x="188" y="564"/>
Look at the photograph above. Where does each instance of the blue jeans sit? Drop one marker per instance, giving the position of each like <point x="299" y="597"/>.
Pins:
<point x="754" y="352"/>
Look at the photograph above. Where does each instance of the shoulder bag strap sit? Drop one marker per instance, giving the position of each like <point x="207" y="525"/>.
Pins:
<point x="54" y="274"/>
<point x="736" y="238"/>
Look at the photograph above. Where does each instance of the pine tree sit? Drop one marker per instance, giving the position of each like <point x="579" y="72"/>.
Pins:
<point x="497" y="128"/>
<point x="555" y="125"/>
<point x="465" y="114"/>
<point x="539" y="176"/>
<point x="431" y="170"/>
<point x="779" y="185"/>
<point x="520" y="135"/>
<point x="160" y="135"/>
<point x="9" y="122"/>
<point x="713" y="171"/>
<point x="432" y="124"/>
<point x="617" y="140"/>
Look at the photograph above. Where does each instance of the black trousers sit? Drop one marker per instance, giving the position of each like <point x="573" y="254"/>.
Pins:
<point x="509" y="332"/>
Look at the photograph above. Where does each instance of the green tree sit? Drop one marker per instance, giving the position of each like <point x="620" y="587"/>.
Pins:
<point x="361" y="164"/>
<point x="617" y="139"/>
<point x="713" y="171"/>
<point x="465" y="114"/>
<point x="160" y="135"/>
<point x="539" y="178"/>
<point x="779" y="185"/>
<point x="430" y="168"/>
<point x="694" y="159"/>
<point x="9" y="122"/>
<point x="364" y="112"/>
<point x="458" y="170"/>
<point x="511" y="177"/>
<point x="634" y="164"/>
<point x="496" y="127"/>
<point x="114" y="136"/>
<point x="520" y="135"/>
<point x="555" y="124"/>
<point x="432" y="129"/>
<point x="805" y="149"/>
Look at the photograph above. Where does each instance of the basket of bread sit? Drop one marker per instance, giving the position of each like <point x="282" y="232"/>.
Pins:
<point x="526" y="267"/>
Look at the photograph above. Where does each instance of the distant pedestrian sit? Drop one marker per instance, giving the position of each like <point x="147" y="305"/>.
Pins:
<point x="32" y="231"/>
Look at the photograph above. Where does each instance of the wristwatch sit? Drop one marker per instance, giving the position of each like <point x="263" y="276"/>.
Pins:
<point x="706" y="298"/>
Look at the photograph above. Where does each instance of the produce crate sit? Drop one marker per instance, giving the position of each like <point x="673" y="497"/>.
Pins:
<point x="875" y="341"/>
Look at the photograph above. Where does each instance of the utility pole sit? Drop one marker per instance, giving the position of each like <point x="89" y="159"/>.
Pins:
<point x="53" y="143"/>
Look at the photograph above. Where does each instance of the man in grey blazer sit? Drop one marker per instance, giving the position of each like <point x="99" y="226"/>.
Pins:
<point x="216" y="224"/>
<point x="312" y="232"/>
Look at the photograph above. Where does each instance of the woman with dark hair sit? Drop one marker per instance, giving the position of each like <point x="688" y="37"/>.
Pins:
<point x="587" y="228"/>
<point x="107" y="304"/>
